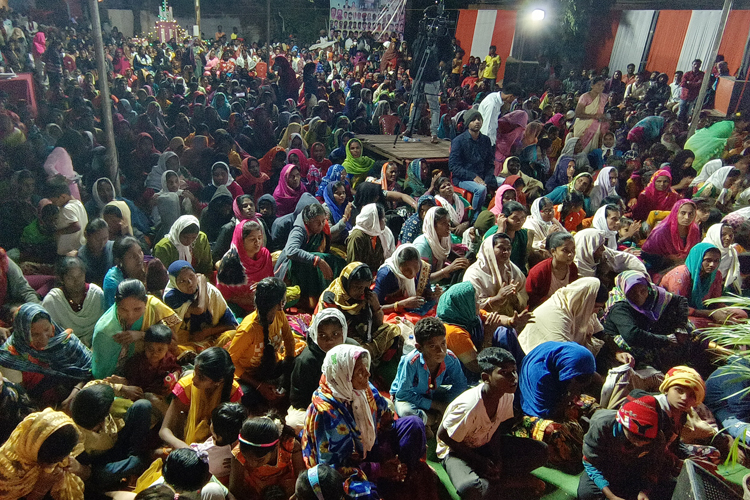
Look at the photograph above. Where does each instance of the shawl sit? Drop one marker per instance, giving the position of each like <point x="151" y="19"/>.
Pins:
<point x="717" y="181"/>
<point x="694" y="263"/>
<point x="324" y="314"/>
<point x="95" y="192"/>
<point x="266" y="161"/>
<point x="383" y="181"/>
<point x="441" y="247"/>
<point x="602" y="187"/>
<point x="249" y="179"/>
<point x="708" y="169"/>
<point x="337" y="211"/>
<point x="184" y="252"/>
<point x="286" y="138"/>
<point x="286" y="197"/>
<point x="127" y="226"/>
<point x="153" y="180"/>
<point x="730" y="262"/>
<point x="338" y="368"/>
<point x="230" y="179"/>
<point x="565" y="316"/>
<point x="255" y="269"/>
<point x="665" y="238"/>
<point x="600" y="223"/>
<point x="302" y="149"/>
<point x="657" y="301"/>
<point x="65" y="355"/>
<point x="487" y="276"/>
<point x="369" y="223"/>
<point x="458" y="306"/>
<point x="709" y="142"/>
<point x="588" y="242"/>
<point x="408" y="286"/>
<point x="40" y="45"/>
<point x="322" y="165"/>
<point x="540" y="228"/>
<point x="19" y="469"/>
<point x="333" y="175"/>
<point x="338" y="288"/>
<point x="304" y="165"/>
<point x="455" y="208"/>
<point x="497" y="208"/>
<point x="414" y="178"/>
<point x="651" y="199"/>
<point x="357" y="166"/>
<point x="238" y="211"/>
<point x="83" y="321"/>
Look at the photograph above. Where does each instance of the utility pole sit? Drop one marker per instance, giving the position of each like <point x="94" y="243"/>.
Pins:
<point x="268" y="31"/>
<point x="106" y="103"/>
<point x="709" y="67"/>
<point x="198" y="17"/>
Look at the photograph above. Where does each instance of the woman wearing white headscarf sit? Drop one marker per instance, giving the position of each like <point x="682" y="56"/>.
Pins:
<point x="594" y="258"/>
<point x="185" y="241"/>
<point x="607" y="220"/>
<point x="168" y="160"/>
<point x="434" y="244"/>
<point x="708" y="169"/>
<point x="722" y="237"/>
<point x="604" y="185"/>
<point x="542" y="222"/>
<point x="402" y="284"/>
<point x="370" y="241"/>
<point x="500" y="285"/>
<point x="718" y="185"/>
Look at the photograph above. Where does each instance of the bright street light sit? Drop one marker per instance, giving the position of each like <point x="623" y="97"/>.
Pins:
<point x="537" y="15"/>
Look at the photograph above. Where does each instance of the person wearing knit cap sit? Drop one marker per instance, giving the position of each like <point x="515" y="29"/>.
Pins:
<point x="622" y="454"/>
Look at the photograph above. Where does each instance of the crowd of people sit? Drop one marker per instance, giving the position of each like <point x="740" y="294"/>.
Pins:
<point x="252" y="306"/>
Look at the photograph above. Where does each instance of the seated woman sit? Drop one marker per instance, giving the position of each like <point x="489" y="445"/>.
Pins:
<point x="118" y="334"/>
<point x="671" y="240"/>
<point x="510" y="222"/>
<point x="104" y="194"/>
<point x="172" y="202"/>
<point x="188" y="419"/>
<point x="581" y="184"/>
<point x="595" y="259"/>
<point x="658" y="195"/>
<point x="44" y="359"/>
<point x="565" y="172"/>
<point x="605" y="185"/>
<point x="220" y="176"/>
<point x="554" y="273"/>
<point x="719" y="186"/>
<point x="569" y="315"/>
<point x="351" y="294"/>
<point x="289" y="190"/>
<point x="44" y="441"/>
<point x="402" y="285"/>
<point x="128" y="259"/>
<point x="350" y="428"/>
<point x="504" y="193"/>
<point x="499" y="284"/>
<point x="642" y="319"/>
<point x="356" y="164"/>
<point x="607" y="220"/>
<point x="252" y="179"/>
<point x="307" y="260"/>
<point x="371" y="241"/>
<point x="96" y="254"/>
<point x="412" y="228"/>
<point x="458" y="208"/>
<point x="551" y="379"/>
<point x="75" y="304"/>
<point x="244" y="210"/>
<point x="185" y="241"/>
<point x="338" y="211"/>
<point x="570" y="213"/>
<point x="243" y="266"/>
<point x="699" y="279"/>
<point x="542" y="223"/>
<point x="217" y="213"/>
<point x="327" y="330"/>
<point x="434" y="246"/>
<point x="264" y="347"/>
<point x="206" y="319"/>
<point x="722" y="237"/>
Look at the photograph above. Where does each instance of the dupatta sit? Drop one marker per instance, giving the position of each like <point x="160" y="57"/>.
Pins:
<point x="730" y="262"/>
<point x="286" y="197"/>
<point x="665" y="238"/>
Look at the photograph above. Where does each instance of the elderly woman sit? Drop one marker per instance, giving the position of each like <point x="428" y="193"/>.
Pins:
<point x="402" y="284"/>
<point x="370" y="241"/>
<point x="595" y="259"/>
<point x="351" y="294"/>
<point x="118" y="335"/>
<point x="350" y="428"/>
<point x="185" y="241"/>
<point x="604" y="185"/>
<point x="542" y="222"/>
<point x="671" y="240"/>
<point x="75" y="304"/>
<point x="722" y="237"/>
<point x="43" y="358"/>
<point x="658" y="195"/>
<point x="434" y="245"/>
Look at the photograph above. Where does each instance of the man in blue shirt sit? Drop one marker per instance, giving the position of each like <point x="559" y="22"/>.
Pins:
<point x="472" y="160"/>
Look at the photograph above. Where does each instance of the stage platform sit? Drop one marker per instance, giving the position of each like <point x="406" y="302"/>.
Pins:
<point x="405" y="152"/>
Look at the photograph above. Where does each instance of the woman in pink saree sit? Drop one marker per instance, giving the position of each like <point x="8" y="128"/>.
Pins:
<point x="510" y="130"/>
<point x="590" y="124"/>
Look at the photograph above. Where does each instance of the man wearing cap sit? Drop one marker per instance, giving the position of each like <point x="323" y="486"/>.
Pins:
<point x="472" y="161"/>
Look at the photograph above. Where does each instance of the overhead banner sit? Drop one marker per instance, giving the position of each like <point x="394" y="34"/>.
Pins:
<point x="381" y="17"/>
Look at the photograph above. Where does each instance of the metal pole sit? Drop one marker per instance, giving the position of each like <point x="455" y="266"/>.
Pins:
<point x="198" y="17"/>
<point x="707" y="75"/>
<point x="268" y="31"/>
<point x="106" y="117"/>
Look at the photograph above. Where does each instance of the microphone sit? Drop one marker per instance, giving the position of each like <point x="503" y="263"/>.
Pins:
<point x="396" y="131"/>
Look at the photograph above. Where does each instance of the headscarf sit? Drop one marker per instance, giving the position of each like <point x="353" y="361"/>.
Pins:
<point x="322" y="315"/>
<point x="486" y="275"/>
<point x="665" y="238"/>
<point x="332" y="176"/>
<point x="640" y="416"/>
<point x="65" y="355"/>
<point x="153" y="180"/>
<point x="587" y="242"/>
<point x="337" y="211"/>
<point x="687" y="377"/>
<point x="175" y="297"/>
<point x="256" y="183"/>
<point x="536" y="223"/>
<point x="369" y="223"/>
<point x="304" y="166"/>
<point x="95" y="192"/>
<point x="497" y="208"/>
<point x="303" y="148"/>
<point x="221" y="164"/>
<point x="441" y="247"/>
<point x="338" y="368"/>
<point x="600" y="223"/>
<point x="224" y="110"/>
<point x="414" y="178"/>
<point x="694" y="263"/>
<point x="125" y="211"/>
<point x="602" y="187"/>
<point x="238" y="210"/>
<point x="657" y="301"/>
<point x="286" y="138"/>
<point x="567" y="153"/>
<point x="458" y="306"/>
<point x="405" y="284"/>
<point x="255" y="269"/>
<point x="184" y="252"/>
<point x="339" y="290"/>
<point x="286" y="197"/>
<point x="357" y="166"/>
<point x="572" y="184"/>
<point x="412" y="228"/>
<point x="717" y="180"/>
<point x="706" y="172"/>
<point x="383" y="180"/>
<point x="267" y="160"/>
<point x="19" y="468"/>
<point x="730" y="262"/>
<point x="651" y="199"/>
<point x="455" y="207"/>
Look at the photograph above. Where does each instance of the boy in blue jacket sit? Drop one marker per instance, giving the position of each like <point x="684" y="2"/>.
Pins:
<point x="420" y="387"/>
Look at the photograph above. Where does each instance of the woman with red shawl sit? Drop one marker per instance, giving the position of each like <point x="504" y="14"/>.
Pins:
<point x="658" y="195"/>
<point x="318" y="157"/>
<point x="671" y="240"/>
<point x="252" y="178"/>
<point x="510" y="130"/>
<point x="289" y="190"/>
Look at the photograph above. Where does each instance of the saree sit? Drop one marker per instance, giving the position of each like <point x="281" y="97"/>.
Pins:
<point x="665" y="238"/>
<point x="287" y="197"/>
<point x="82" y="322"/>
<point x="590" y="130"/>
<point x="487" y="277"/>
<point x="651" y="199"/>
<point x="198" y="422"/>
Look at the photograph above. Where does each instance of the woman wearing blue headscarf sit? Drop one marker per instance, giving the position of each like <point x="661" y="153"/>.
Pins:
<point x="219" y="102"/>
<point x="338" y="211"/>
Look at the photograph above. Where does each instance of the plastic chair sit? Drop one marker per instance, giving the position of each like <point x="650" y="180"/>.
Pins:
<point x="388" y="124"/>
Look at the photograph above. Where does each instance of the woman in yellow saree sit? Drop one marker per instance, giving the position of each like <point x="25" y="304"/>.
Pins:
<point x="589" y="125"/>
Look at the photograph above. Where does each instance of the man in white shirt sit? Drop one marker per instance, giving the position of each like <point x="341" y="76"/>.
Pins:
<point x="495" y="105"/>
<point x="71" y="220"/>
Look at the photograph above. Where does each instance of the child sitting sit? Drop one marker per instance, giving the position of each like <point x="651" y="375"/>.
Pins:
<point x="419" y="387"/>
<point x="114" y="447"/>
<point x="70" y="221"/>
<point x="187" y="471"/>
<point x="477" y="457"/>
<point x="626" y="237"/>
<point x="268" y="457"/>
<point x="320" y="482"/>
<point x="226" y="422"/>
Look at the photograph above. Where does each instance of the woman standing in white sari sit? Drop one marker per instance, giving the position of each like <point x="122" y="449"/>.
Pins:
<point x="590" y="121"/>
